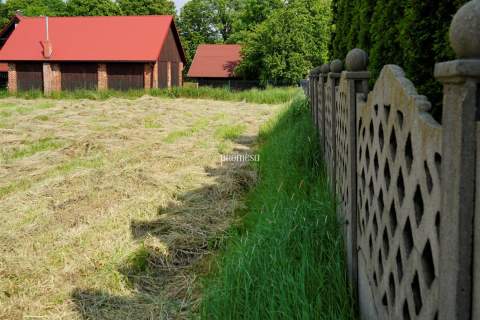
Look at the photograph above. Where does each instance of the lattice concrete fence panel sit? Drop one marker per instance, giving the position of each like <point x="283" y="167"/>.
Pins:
<point x="399" y="190"/>
<point x="408" y="188"/>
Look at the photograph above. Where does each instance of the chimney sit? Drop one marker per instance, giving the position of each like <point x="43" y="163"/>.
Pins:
<point x="47" y="45"/>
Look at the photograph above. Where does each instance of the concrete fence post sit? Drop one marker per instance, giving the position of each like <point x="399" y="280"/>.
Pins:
<point x="310" y="93"/>
<point x="331" y="118"/>
<point x="461" y="113"/>
<point x="322" y="81"/>
<point x="357" y="78"/>
<point x="315" y="99"/>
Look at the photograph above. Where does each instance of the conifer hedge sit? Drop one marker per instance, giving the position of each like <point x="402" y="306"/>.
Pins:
<point x="410" y="33"/>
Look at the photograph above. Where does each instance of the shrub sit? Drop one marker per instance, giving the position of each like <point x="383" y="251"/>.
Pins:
<point x="411" y="34"/>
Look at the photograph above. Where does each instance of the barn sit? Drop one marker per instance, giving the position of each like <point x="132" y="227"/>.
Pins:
<point x="94" y="53"/>
<point x="214" y="65"/>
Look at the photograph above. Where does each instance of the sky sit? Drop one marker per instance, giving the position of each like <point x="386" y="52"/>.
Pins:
<point x="179" y="4"/>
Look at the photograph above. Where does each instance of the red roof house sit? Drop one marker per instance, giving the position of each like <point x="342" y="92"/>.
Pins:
<point x="214" y="65"/>
<point x="121" y="52"/>
<point x="215" y="61"/>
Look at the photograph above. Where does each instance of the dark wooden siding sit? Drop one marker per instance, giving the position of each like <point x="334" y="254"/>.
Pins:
<point x="175" y="78"/>
<point x="3" y="80"/>
<point x="125" y="76"/>
<point x="79" y="76"/>
<point x="29" y="76"/>
<point x="162" y="74"/>
<point x="232" y="83"/>
<point x="170" y="50"/>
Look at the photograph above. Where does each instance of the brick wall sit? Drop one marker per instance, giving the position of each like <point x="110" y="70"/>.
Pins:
<point x="47" y="78"/>
<point x="56" y="78"/>
<point x="102" y="77"/>
<point x="180" y="74"/>
<point x="147" y="76"/>
<point x="169" y="74"/>
<point x="12" y="78"/>
<point x="155" y="75"/>
<point x="52" y="76"/>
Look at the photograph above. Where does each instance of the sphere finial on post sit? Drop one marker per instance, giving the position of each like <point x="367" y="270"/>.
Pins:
<point x="336" y="66"/>
<point x="325" y="68"/>
<point x="465" y="31"/>
<point x="315" y="72"/>
<point x="357" y="60"/>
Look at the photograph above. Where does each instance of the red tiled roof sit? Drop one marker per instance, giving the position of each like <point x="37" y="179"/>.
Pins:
<point x="130" y="38"/>
<point x="215" y="61"/>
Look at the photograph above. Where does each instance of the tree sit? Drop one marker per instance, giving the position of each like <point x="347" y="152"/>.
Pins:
<point x="34" y="7"/>
<point x="282" y="49"/>
<point x="196" y="26"/>
<point x="210" y="17"/>
<point x="412" y="34"/>
<point x="92" y="8"/>
<point x="224" y="16"/>
<point x="31" y="8"/>
<point x="146" y="7"/>
<point x="249" y="14"/>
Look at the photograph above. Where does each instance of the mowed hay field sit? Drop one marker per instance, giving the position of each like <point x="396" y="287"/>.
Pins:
<point x="109" y="209"/>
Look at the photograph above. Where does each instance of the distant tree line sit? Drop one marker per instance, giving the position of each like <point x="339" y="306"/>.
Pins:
<point x="412" y="34"/>
<point x="85" y="7"/>
<point x="282" y="39"/>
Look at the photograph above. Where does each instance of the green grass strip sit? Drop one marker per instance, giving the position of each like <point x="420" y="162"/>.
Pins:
<point x="269" y="95"/>
<point x="286" y="260"/>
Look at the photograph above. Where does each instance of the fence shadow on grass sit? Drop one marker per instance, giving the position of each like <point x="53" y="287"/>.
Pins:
<point x="160" y="275"/>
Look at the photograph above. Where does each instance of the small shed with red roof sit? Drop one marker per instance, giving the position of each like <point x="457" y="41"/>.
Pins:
<point x="214" y="65"/>
<point x="71" y="53"/>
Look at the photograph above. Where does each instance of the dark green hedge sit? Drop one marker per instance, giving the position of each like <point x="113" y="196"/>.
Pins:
<point x="410" y="33"/>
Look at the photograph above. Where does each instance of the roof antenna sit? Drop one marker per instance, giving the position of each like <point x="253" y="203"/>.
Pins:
<point x="47" y="45"/>
<point x="46" y="26"/>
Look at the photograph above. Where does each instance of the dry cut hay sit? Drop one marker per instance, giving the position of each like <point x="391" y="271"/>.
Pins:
<point x="115" y="221"/>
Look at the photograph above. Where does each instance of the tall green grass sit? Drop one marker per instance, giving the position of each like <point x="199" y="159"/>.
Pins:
<point x="286" y="260"/>
<point x="269" y="95"/>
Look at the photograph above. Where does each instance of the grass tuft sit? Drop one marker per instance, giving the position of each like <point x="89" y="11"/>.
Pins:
<point x="7" y="109"/>
<point x="151" y="122"/>
<point x="230" y="132"/>
<point x="31" y="148"/>
<point x="285" y="260"/>
<point x="197" y="127"/>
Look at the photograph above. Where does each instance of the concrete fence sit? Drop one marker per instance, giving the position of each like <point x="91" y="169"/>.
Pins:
<point x="408" y="187"/>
